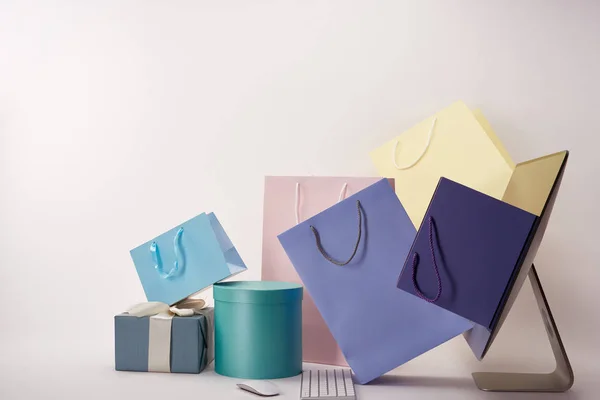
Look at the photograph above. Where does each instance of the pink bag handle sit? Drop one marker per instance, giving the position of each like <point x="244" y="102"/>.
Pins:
<point x="341" y="197"/>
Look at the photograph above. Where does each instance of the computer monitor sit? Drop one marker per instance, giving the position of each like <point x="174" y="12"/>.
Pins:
<point x="532" y="187"/>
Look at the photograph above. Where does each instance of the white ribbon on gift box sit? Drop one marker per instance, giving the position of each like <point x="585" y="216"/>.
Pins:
<point x="159" y="335"/>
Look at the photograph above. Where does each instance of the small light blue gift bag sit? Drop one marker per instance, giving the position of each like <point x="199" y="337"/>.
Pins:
<point x="186" y="259"/>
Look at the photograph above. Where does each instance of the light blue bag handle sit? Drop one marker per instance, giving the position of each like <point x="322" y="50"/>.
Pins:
<point x="179" y="259"/>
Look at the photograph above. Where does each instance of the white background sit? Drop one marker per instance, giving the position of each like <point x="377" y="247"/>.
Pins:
<point x="120" y="118"/>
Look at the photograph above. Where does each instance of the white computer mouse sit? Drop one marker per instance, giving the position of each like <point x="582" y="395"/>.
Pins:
<point x="261" y="388"/>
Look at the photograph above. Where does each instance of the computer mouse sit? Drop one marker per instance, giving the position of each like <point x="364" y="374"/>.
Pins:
<point x="261" y="388"/>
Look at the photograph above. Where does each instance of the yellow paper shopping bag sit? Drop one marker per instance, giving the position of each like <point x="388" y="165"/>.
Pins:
<point x="456" y="143"/>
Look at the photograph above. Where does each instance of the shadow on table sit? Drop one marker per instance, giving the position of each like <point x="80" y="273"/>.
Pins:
<point x="426" y="381"/>
<point x="466" y="383"/>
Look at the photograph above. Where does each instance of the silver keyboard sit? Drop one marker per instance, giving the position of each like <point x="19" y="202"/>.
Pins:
<point x="330" y="384"/>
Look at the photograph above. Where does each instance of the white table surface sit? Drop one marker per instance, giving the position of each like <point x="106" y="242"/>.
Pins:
<point x="58" y="369"/>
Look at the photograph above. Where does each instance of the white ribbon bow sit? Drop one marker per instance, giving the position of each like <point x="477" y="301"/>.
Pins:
<point x="159" y="335"/>
<point x="185" y="308"/>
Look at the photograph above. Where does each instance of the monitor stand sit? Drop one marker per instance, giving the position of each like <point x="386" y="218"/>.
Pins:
<point x="560" y="380"/>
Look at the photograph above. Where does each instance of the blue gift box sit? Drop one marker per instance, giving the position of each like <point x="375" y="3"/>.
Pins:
<point x="186" y="259"/>
<point x="163" y="343"/>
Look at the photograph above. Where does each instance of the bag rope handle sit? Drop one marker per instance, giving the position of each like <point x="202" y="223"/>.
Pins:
<point x="341" y="197"/>
<point x="429" y="136"/>
<point x="327" y="256"/>
<point x="435" y="268"/>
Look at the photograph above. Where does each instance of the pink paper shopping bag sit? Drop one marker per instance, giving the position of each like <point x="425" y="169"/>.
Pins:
<point x="288" y="201"/>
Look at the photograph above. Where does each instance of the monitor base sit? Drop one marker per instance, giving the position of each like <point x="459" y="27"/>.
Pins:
<point x="560" y="380"/>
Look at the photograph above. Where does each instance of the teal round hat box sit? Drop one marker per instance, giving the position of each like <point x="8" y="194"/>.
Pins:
<point x="258" y="329"/>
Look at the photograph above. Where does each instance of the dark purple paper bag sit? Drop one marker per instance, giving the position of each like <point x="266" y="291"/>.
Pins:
<point x="467" y="252"/>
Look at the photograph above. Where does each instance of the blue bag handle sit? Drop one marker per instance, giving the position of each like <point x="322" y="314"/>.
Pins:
<point x="179" y="258"/>
<point x="324" y="253"/>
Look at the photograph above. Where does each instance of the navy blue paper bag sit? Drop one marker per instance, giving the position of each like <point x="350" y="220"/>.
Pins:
<point x="467" y="252"/>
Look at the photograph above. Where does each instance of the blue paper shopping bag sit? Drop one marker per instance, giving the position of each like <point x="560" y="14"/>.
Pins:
<point x="349" y="257"/>
<point x="186" y="259"/>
